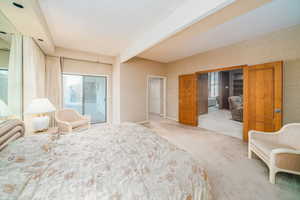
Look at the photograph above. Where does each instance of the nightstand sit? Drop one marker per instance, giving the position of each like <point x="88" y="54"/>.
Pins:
<point x="52" y="130"/>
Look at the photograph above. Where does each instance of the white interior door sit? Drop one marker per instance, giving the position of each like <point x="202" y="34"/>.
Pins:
<point x="155" y="96"/>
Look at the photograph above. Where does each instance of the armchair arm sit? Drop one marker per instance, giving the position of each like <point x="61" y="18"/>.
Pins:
<point x="288" y="159"/>
<point x="87" y="117"/>
<point x="64" y="126"/>
<point x="239" y="108"/>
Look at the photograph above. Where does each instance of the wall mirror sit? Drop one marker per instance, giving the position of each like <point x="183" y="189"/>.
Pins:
<point x="10" y="71"/>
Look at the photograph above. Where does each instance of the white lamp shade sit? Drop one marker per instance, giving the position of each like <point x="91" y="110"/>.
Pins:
<point x="4" y="110"/>
<point x="39" y="106"/>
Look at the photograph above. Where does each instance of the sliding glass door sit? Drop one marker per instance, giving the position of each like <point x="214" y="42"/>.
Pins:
<point x="87" y="95"/>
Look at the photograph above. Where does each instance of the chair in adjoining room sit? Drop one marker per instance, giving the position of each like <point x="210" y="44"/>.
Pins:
<point x="68" y="120"/>
<point x="236" y="107"/>
<point x="279" y="150"/>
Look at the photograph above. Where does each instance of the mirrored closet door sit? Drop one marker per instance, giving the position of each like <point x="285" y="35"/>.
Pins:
<point x="10" y="71"/>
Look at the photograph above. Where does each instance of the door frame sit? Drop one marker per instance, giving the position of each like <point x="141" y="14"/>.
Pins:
<point x="222" y="69"/>
<point x="164" y="78"/>
<point x="228" y="69"/>
<point x="108" y="92"/>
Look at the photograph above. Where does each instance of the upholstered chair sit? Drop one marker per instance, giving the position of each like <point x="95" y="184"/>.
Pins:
<point x="68" y="120"/>
<point x="236" y="107"/>
<point x="279" y="150"/>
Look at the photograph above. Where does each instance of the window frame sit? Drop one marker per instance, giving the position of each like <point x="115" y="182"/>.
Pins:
<point x="106" y="92"/>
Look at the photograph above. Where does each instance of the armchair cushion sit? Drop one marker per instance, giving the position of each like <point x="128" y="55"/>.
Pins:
<point x="68" y="115"/>
<point x="288" y="161"/>
<point x="266" y="146"/>
<point x="236" y="107"/>
<point x="79" y="123"/>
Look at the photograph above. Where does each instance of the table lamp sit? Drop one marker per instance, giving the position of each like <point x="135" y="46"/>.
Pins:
<point x="5" y="113"/>
<point x="39" y="108"/>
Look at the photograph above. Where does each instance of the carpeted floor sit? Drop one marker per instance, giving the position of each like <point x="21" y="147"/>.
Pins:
<point x="220" y="121"/>
<point x="232" y="175"/>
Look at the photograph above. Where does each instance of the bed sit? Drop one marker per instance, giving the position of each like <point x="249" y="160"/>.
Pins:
<point x="106" y="162"/>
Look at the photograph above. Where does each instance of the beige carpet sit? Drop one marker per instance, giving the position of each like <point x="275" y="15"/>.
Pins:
<point x="232" y="175"/>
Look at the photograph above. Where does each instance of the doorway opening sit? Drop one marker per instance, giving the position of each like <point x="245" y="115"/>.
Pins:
<point x="156" y="97"/>
<point x="221" y="102"/>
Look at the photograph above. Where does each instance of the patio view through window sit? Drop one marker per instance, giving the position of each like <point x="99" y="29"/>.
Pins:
<point x="87" y="95"/>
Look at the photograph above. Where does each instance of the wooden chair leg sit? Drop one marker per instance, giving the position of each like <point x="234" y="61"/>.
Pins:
<point x="250" y="154"/>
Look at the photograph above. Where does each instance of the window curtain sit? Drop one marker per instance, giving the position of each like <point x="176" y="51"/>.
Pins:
<point x="15" y="76"/>
<point x="34" y="74"/>
<point x="54" y="83"/>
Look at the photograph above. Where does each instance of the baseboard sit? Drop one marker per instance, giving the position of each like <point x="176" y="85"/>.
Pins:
<point x="143" y="122"/>
<point x="172" y="118"/>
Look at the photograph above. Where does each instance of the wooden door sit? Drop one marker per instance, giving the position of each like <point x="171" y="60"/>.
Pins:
<point x="263" y="97"/>
<point x="203" y="94"/>
<point x="188" y="99"/>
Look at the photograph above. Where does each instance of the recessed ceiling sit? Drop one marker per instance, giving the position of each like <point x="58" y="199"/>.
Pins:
<point x="103" y="26"/>
<point x="268" y="18"/>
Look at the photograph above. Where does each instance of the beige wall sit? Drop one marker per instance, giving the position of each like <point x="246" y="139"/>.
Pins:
<point x="134" y="87"/>
<point x="281" y="45"/>
<point x="291" y="108"/>
<point x="91" y="68"/>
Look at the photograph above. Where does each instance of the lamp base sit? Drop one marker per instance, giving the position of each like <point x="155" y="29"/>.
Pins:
<point x="40" y="123"/>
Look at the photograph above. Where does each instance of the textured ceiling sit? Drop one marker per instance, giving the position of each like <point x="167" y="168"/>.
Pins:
<point x="103" y="26"/>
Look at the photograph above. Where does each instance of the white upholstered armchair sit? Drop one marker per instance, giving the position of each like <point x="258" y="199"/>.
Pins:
<point x="279" y="150"/>
<point x="68" y="120"/>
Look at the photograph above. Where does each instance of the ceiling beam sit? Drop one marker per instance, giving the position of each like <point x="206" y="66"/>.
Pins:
<point x="186" y="15"/>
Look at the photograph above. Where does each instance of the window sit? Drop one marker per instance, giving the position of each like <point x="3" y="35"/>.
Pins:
<point x="4" y="85"/>
<point x="87" y="95"/>
<point x="213" y="83"/>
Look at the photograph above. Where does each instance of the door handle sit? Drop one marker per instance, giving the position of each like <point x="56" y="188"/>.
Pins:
<point x="277" y="110"/>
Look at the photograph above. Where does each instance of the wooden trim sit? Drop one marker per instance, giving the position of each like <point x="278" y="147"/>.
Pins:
<point x="278" y="101"/>
<point x="221" y="69"/>
<point x="245" y="103"/>
<point x="186" y="74"/>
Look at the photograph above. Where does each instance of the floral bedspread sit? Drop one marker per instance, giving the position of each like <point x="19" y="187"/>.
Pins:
<point x="124" y="162"/>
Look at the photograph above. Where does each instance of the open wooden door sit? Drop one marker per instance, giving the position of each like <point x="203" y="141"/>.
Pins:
<point x="188" y="99"/>
<point x="262" y="98"/>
